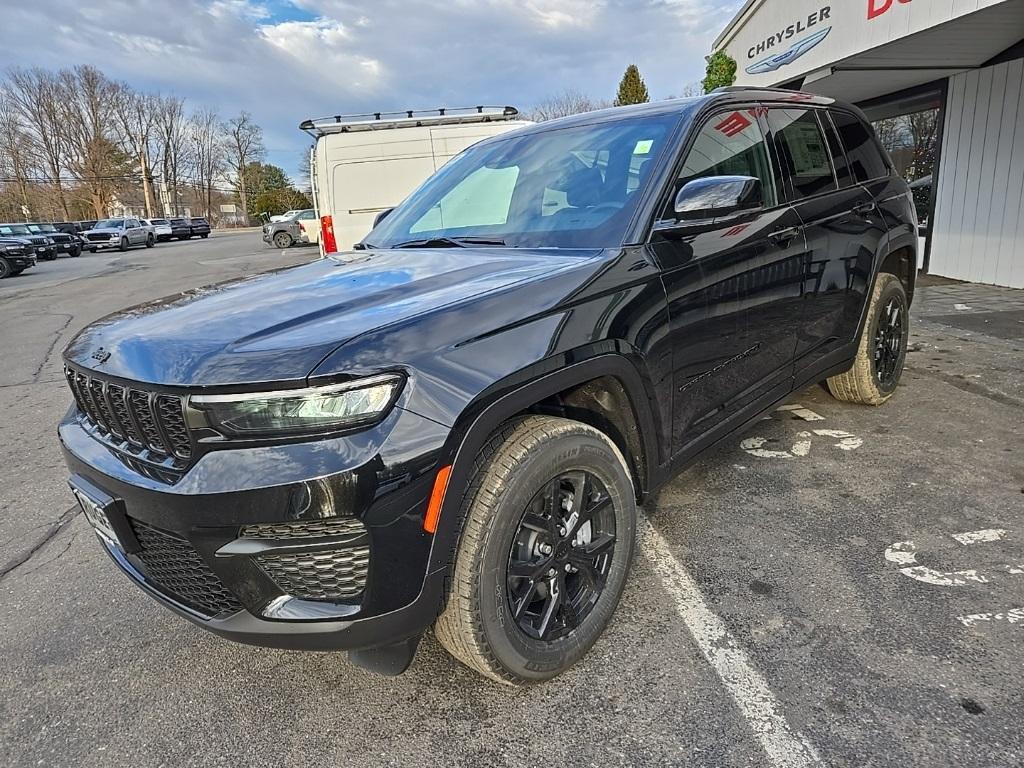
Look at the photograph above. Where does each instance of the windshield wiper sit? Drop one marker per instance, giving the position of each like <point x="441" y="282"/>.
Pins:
<point x="449" y="242"/>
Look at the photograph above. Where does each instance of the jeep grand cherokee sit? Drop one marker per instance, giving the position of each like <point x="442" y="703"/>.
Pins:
<point x="454" y="424"/>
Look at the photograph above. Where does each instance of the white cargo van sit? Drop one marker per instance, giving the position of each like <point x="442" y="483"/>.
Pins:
<point x="365" y="164"/>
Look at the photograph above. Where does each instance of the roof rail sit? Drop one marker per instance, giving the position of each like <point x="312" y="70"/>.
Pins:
<point x="410" y="118"/>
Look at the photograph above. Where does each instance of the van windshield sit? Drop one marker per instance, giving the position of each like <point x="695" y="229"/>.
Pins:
<point x="574" y="187"/>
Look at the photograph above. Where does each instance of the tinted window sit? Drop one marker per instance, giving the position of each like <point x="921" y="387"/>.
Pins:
<point x="730" y="145"/>
<point x="866" y="159"/>
<point x="835" y="149"/>
<point x="802" y="151"/>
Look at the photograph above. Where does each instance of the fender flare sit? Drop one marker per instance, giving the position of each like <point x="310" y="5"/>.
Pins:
<point x="470" y="435"/>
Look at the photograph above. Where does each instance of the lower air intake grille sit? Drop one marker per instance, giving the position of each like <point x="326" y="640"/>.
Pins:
<point x="175" y="567"/>
<point x="336" y="574"/>
<point x="306" y="529"/>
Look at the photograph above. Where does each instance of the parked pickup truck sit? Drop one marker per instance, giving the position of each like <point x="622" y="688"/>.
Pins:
<point x="120" y="233"/>
<point x="453" y="425"/>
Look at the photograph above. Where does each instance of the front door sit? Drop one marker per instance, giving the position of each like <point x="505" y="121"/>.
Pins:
<point x="734" y="289"/>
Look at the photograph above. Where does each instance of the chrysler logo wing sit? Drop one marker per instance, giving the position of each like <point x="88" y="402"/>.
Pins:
<point x="791" y="54"/>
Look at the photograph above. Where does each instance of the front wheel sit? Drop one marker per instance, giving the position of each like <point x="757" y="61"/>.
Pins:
<point x="547" y="543"/>
<point x="150" y="241"/>
<point x="283" y="240"/>
<point x="882" y="349"/>
<point x="205" y="235"/>
<point x="124" y="244"/>
<point x="5" y="268"/>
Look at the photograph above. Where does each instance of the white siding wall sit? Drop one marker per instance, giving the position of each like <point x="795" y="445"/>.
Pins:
<point x="979" y="208"/>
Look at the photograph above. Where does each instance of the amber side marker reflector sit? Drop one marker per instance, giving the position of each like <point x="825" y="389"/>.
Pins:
<point x="436" y="499"/>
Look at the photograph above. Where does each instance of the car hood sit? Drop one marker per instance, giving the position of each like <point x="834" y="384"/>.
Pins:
<point x="103" y="231"/>
<point x="276" y="327"/>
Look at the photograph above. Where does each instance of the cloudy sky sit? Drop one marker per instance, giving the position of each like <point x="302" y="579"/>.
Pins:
<point x="286" y="60"/>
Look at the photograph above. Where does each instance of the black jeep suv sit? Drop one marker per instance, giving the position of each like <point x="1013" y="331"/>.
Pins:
<point x="15" y="256"/>
<point x="454" y="424"/>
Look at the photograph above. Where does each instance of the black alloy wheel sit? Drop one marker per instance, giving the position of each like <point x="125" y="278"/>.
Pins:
<point x="561" y="555"/>
<point x="888" y="343"/>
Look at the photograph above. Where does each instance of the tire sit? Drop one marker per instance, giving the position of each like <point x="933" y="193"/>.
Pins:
<point x="509" y="482"/>
<point x="93" y="250"/>
<point x="76" y="252"/>
<point x="5" y="268"/>
<point x="882" y="349"/>
<point x="283" y="240"/>
<point x="205" y="235"/>
<point x="124" y="244"/>
<point x="150" y="241"/>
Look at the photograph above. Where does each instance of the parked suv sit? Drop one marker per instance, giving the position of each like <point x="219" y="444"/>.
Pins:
<point x="285" y="233"/>
<point x="454" y="425"/>
<point x="15" y="256"/>
<point x="62" y="241"/>
<point x="42" y="246"/>
<point x="199" y="227"/>
<point x="121" y="233"/>
<point x="180" y="229"/>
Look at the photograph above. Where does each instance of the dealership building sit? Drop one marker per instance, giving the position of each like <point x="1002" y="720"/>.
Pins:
<point x="943" y="83"/>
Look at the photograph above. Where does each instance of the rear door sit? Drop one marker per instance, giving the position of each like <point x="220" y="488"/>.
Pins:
<point x="840" y="226"/>
<point x="733" y="288"/>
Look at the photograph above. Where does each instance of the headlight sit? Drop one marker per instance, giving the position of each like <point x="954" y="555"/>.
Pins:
<point x="12" y="247"/>
<point x="300" y="411"/>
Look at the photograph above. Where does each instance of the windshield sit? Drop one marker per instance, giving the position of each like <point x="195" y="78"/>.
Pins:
<point x="14" y="229"/>
<point x="566" y="188"/>
<point x="110" y="224"/>
<point x="158" y="221"/>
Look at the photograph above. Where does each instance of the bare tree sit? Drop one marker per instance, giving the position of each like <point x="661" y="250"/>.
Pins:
<point x="38" y="97"/>
<point x="18" y="158"/>
<point x="923" y="127"/>
<point x="207" y="155"/>
<point x="243" y="140"/>
<point x="89" y="127"/>
<point x="135" y="114"/>
<point x="173" y="151"/>
<point x="568" y="102"/>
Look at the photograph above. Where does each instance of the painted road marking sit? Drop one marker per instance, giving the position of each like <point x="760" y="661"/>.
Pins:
<point x="802" y="446"/>
<point x="1014" y="616"/>
<point x="804" y="413"/>
<point x="976" y="537"/>
<point x="904" y="553"/>
<point x="785" y="747"/>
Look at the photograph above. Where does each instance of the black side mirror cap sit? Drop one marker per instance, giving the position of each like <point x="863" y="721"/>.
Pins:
<point x="713" y="200"/>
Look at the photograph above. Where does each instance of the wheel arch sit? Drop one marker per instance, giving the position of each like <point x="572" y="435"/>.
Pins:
<point x="607" y="392"/>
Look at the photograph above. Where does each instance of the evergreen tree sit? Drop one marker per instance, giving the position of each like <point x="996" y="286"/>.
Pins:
<point x="632" y="89"/>
<point x="721" y="71"/>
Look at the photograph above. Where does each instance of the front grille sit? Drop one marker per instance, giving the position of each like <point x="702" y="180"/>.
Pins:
<point x="337" y="574"/>
<point x="306" y="529"/>
<point x="173" y="566"/>
<point x="133" y="419"/>
<point x="97" y="236"/>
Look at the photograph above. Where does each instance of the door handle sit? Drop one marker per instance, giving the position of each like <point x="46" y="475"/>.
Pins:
<point x="864" y="209"/>
<point x="784" y="236"/>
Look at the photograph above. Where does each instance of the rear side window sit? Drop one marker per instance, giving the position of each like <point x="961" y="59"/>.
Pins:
<point x="835" y="149"/>
<point x="802" y="151"/>
<point x="866" y="159"/>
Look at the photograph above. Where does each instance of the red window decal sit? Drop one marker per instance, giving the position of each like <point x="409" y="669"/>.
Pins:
<point x="734" y="124"/>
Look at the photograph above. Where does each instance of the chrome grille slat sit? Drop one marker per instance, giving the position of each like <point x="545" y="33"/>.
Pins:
<point x="145" y="424"/>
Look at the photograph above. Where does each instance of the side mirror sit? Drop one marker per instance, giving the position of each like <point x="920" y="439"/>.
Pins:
<point x="718" y="197"/>
<point x="381" y="216"/>
<point x="714" y="200"/>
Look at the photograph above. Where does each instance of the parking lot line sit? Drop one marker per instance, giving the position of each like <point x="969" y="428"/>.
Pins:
<point x="784" y="747"/>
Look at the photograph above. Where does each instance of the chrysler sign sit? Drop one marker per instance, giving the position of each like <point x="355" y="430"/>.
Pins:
<point x="790" y="43"/>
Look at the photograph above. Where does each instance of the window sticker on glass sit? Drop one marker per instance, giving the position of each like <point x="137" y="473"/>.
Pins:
<point x="643" y="146"/>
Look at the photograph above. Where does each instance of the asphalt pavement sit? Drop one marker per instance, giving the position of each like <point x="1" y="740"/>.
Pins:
<point x="837" y="586"/>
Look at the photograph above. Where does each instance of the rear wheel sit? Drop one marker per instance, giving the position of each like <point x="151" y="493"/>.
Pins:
<point x="283" y="240"/>
<point x="547" y="543"/>
<point x="882" y="349"/>
<point x="5" y="268"/>
<point x="150" y="241"/>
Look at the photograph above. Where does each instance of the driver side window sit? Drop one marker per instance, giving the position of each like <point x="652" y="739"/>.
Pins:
<point x="729" y="144"/>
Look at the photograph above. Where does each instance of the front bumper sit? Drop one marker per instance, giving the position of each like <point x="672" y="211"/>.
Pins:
<point x="237" y="544"/>
<point x="19" y="261"/>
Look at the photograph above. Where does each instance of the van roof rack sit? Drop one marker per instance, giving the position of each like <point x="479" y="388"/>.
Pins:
<point x="410" y="118"/>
